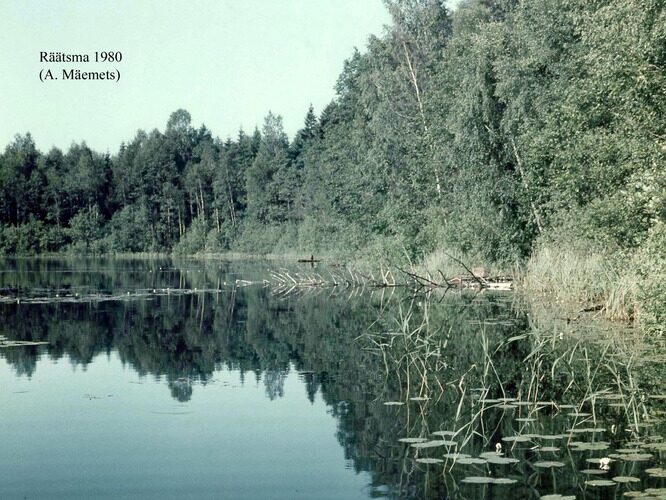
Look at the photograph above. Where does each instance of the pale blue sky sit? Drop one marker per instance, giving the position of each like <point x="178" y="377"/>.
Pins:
<point x="228" y="62"/>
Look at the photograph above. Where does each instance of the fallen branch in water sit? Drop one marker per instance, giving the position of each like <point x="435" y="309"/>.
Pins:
<point x="287" y="281"/>
<point x="4" y="342"/>
<point x="479" y="279"/>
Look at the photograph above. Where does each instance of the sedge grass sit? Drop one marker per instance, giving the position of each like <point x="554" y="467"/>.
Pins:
<point x="579" y="280"/>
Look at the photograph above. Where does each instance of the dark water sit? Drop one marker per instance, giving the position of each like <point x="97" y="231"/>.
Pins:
<point x="186" y="379"/>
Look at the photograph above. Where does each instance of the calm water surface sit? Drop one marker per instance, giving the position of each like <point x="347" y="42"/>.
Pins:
<point x="186" y="379"/>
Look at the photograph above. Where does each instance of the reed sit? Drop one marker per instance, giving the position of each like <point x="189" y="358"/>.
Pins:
<point x="582" y="280"/>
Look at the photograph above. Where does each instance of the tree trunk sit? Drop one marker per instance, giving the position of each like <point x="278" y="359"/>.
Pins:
<point x="232" y="211"/>
<point x="426" y="132"/>
<point x="535" y="211"/>
<point x="203" y="208"/>
<point x="181" y="229"/>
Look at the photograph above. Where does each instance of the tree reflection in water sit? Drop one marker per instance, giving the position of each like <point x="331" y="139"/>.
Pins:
<point x="451" y="353"/>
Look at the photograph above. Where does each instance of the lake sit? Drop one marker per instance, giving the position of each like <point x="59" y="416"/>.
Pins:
<point x="167" y="378"/>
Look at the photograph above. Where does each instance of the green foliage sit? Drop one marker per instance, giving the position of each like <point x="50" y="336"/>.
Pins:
<point x="85" y="228"/>
<point x="33" y="237"/>
<point x="259" y="238"/>
<point x="271" y="180"/>
<point x="194" y="239"/>
<point x="129" y="230"/>
<point x="651" y="264"/>
<point x="494" y="131"/>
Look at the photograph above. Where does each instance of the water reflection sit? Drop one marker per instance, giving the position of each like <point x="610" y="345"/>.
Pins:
<point x="472" y="371"/>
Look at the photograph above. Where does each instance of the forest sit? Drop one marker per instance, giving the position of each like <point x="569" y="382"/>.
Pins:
<point x="528" y="133"/>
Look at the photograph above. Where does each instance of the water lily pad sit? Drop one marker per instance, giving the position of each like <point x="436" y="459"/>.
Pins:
<point x="488" y="480"/>
<point x="657" y="492"/>
<point x="656" y="472"/>
<point x="636" y="457"/>
<point x="594" y="472"/>
<point x="497" y="460"/>
<point x="412" y="440"/>
<point x="601" y="445"/>
<point x="597" y="460"/>
<point x="551" y="449"/>
<point x="419" y="398"/>
<point x="626" y="479"/>
<point x="551" y="437"/>
<point x="444" y="433"/>
<point x="456" y="456"/>
<point x="591" y="430"/>
<point x="471" y="461"/>
<point x="579" y="414"/>
<point x="429" y="460"/>
<point x="546" y="464"/>
<point x="557" y="496"/>
<point x="479" y="480"/>
<point x="507" y="406"/>
<point x="601" y="482"/>
<point x="525" y="419"/>
<point x="429" y="444"/>
<point x="516" y="439"/>
<point x="393" y="403"/>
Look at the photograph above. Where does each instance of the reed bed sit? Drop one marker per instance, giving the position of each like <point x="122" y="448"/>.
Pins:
<point x="583" y="281"/>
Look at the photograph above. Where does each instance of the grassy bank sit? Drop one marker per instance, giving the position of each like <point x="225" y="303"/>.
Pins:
<point x="583" y="276"/>
<point x="583" y="281"/>
<point x="576" y="275"/>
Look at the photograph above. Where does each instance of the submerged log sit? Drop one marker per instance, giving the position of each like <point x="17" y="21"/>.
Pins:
<point x="19" y="343"/>
<point x="310" y="260"/>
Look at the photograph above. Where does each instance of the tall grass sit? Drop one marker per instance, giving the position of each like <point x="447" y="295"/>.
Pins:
<point x="581" y="279"/>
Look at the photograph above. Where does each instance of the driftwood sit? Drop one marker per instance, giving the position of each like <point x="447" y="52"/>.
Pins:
<point x="17" y="343"/>
<point x="286" y="281"/>
<point x="311" y="260"/>
<point x="479" y="279"/>
<point x="473" y="280"/>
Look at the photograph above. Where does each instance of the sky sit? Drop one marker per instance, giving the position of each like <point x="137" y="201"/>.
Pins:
<point x="228" y="62"/>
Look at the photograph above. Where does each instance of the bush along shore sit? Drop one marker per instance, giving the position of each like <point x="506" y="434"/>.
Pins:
<point x="520" y="135"/>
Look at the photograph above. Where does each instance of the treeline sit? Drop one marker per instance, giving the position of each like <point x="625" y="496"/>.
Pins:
<point x="486" y="130"/>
